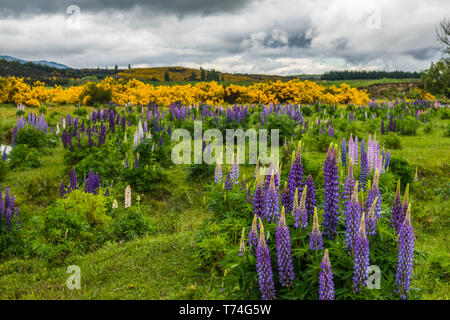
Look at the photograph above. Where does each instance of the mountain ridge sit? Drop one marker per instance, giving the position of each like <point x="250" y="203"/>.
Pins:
<point x="51" y="64"/>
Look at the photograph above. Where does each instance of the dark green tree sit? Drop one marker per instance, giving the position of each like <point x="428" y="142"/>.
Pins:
<point x="166" y="76"/>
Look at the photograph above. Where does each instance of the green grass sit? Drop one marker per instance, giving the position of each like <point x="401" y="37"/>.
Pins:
<point x="160" y="267"/>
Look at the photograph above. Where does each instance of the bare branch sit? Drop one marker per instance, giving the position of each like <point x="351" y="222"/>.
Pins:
<point x="443" y="34"/>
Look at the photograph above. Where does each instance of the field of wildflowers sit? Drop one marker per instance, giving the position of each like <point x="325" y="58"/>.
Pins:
<point x="356" y="208"/>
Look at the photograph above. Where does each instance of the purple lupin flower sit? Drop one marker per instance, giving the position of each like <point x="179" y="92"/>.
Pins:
<point x="218" y="175"/>
<point x="295" y="177"/>
<point x="271" y="202"/>
<point x="264" y="267"/>
<point x="326" y="284"/>
<point x="284" y="258"/>
<point x="397" y="211"/>
<point x="310" y="196"/>
<point x="62" y="190"/>
<point x="8" y="217"/>
<point x="73" y="179"/>
<point x="253" y="235"/>
<point x="364" y="171"/>
<point x="361" y="258"/>
<point x="235" y="169"/>
<point x="405" y="256"/>
<point x="349" y="185"/>
<point x="352" y="219"/>
<point x="2" y="206"/>
<point x="300" y="213"/>
<point x="258" y="199"/>
<point x="228" y="182"/>
<point x="136" y="161"/>
<point x="344" y="152"/>
<point x="315" y="238"/>
<point x="373" y="193"/>
<point x="371" y="222"/>
<point x="331" y="198"/>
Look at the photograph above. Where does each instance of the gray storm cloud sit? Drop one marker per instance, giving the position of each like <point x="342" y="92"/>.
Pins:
<point x="254" y="36"/>
<point x="153" y="7"/>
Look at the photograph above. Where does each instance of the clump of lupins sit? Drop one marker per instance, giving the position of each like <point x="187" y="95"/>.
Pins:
<point x="295" y="177"/>
<point x="352" y="219"/>
<point x="326" y="284"/>
<point x="361" y="258"/>
<point x="397" y="210"/>
<point x="91" y="184"/>
<point x="264" y="267"/>
<point x="284" y="259"/>
<point x="8" y="209"/>
<point x="271" y="202"/>
<point x="331" y="198"/>
<point x="315" y="238"/>
<point x="405" y="256"/>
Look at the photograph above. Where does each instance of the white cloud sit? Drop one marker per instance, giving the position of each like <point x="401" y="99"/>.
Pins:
<point x="266" y="36"/>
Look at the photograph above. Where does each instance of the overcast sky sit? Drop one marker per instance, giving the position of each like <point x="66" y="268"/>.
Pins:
<point x="249" y="36"/>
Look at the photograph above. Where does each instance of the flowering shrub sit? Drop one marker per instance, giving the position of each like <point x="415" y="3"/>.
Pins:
<point x="136" y="92"/>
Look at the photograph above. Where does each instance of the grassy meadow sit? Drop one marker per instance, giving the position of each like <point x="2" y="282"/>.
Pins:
<point x="165" y="263"/>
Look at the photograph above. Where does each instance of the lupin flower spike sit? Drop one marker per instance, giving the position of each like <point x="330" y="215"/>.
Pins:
<point x="242" y="243"/>
<point x="315" y="239"/>
<point x="396" y="211"/>
<point x="253" y="235"/>
<point x="371" y="223"/>
<point x="405" y="256"/>
<point x="284" y="258"/>
<point x="353" y="216"/>
<point x="361" y="258"/>
<point x="128" y="197"/>
<point x="264" y="267"/>
<point x="326" y="285"/>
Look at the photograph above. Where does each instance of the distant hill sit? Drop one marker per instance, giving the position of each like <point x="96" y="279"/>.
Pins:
<point x="182" y="74"/>
<point x="50" y="75"/>
<point x="39" y="62"/>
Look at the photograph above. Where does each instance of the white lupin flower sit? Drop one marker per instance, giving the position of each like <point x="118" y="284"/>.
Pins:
<point x="128" y="197"/>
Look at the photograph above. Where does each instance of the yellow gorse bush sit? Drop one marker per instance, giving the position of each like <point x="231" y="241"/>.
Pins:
<point x="15" y="90"/>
